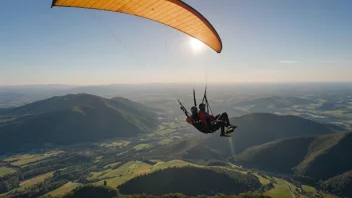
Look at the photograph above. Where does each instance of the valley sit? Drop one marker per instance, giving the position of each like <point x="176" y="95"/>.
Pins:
<point x="117" y="161"/>
<point x="83" y="142"/>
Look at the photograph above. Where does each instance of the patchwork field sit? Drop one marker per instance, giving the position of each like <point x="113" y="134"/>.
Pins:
<point x="121" y="174"/>
<point x="166" y="129"/>
<point x="141" y="147"/>
<point x="30" y="182"/>
<point x="35" y="180"/>
<point x="165" y="141"/>
<point x="5" y="171"/>
<point x="22" y="160"/>
<point x="165" y="132"/>
<point x="262" y="180"/>
<point x="121" y="143"/>
<point x="63" y="189"/>
<point x="130" y="170"/>
<point x="281" y="189"/>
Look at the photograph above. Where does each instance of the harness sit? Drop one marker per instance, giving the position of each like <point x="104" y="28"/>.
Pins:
<point x="199" y="125"/>
<point x="196" y="121"/>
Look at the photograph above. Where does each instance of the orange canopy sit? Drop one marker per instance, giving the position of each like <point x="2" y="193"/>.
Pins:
<point x="173" y="13"/>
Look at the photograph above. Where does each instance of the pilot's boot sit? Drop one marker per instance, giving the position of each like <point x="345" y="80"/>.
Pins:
<point x="223" y="134"/>
<point x="231" y="128"/>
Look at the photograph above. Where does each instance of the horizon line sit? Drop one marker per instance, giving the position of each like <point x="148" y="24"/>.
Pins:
<point x="178" y="83"/>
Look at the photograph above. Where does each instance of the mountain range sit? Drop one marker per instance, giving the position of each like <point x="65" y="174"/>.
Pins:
<point x="283" y="145"/>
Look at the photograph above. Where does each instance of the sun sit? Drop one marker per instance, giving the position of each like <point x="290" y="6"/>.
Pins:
<point x="196" y="45"/>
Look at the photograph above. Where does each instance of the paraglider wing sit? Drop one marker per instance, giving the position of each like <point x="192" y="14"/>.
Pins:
<point x="173" y="13"/>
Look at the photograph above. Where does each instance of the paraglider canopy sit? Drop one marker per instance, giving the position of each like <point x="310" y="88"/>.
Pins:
<point x="173" y="13"/>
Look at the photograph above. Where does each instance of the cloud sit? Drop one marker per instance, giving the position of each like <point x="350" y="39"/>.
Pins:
<point x="288" y="61"/>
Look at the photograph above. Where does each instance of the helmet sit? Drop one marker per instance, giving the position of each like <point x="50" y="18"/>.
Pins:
<point x="194" y="110"/>
<point x="202" y="106"/>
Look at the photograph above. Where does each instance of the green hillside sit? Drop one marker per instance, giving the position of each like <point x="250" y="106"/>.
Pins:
<point x="91" y="191"/>
<point x="74" y="119"/>
<point x="318" y="157"/>
<point x="265" y="157"/>
<point x="191" y="181"/>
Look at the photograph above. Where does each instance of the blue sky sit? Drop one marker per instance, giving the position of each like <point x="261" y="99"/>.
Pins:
<point x="264" y="41"/>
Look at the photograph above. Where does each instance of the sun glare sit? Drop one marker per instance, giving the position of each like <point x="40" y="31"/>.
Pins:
<point x="196" y="44"/>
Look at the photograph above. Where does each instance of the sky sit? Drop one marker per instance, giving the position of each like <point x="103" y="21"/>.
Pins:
<point x="263" y="41"/>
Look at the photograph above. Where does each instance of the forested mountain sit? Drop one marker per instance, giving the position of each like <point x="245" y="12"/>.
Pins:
<point x="339" y="185"/>
<point x="319" y="157"/>
<point x="191" y="181"/>
<point x="74" y="119"/>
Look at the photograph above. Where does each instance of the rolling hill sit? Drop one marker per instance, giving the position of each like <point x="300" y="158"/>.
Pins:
<point x="71" y="100"/>
<point x="191" y="181"/>
<point x="319" y="157"/>
<point x="91" y="191"/>
<point x="74" y="119"/>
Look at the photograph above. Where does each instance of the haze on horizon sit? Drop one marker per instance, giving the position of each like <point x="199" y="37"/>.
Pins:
<point x="264" y="41"/>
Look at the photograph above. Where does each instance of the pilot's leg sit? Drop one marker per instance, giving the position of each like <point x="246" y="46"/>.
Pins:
<point x="221" y="125"/>
<point x="223" y="118"/>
